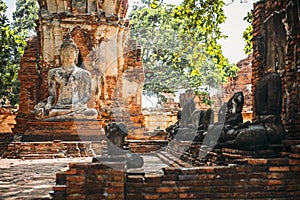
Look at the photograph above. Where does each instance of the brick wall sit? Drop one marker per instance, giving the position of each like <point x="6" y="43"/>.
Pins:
<point x="53" y="149"/>
<point x="241" y="83"/>
<point x="90" y="181"/>
<point x="7" y="119"/>
<point x="158" y="119"/>
<point x="276" y="47"/>
<point x="257" y="178"/>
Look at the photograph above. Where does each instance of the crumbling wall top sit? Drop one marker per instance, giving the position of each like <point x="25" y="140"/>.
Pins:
<point x="116" y="8"/>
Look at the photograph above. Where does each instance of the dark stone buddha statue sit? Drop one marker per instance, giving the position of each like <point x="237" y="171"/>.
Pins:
<point x="267" y="128"/>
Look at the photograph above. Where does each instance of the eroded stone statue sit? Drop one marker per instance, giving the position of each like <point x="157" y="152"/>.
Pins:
<point x="69" y="89"/>
<point x="267" y="129"/>
<point x="192" y="123"/>
<point x="116" y="133"/>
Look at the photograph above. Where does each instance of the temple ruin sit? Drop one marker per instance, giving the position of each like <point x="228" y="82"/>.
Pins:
<point x="101" y="33"/>
<point x="173" y="167"/>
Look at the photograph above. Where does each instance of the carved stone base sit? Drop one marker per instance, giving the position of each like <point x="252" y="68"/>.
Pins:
<point x="65" y="131"/>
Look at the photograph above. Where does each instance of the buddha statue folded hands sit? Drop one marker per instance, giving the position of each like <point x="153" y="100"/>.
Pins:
<point x="69" y="89"/>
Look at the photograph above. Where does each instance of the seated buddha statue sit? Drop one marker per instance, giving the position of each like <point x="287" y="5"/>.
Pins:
<point x="267" y="128"/>
<point x="69" y="89"/>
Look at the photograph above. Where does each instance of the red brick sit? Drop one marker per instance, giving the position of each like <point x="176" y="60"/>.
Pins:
<point x="292" y="187"/>
<point x="135" y="178"/>
<point x="279" y="169"/>
<point x="206" y="170"/>
<point x="75" y="196"/>
<point x="294" y="162"/>
<point x="97" y="171"/>
<point x="256" y="182"/>
<point x="295" y="168"/>
<point x="274" y="182"/>
<point x="75" y="178"/>
<point x="278" y="161"/>
<point x="169" y="196"/>
<point x="275" y="175"/>
<point x="115" y="184"/>
<point x="294" y="155"/>
<point x="243" y="169"/>
<point x="172" y="170"/>
<point x="112" y="190"/>
<point x="168" y="183"/>
<point x="256" y="161"/>
<point x="153" y="178"/>
<point x="164" y="189"/>
<point x="59" y="188"/>
<point x="151" y="196"/>
<point x="223" y="189"/>
<point x="259" y="194"/>
<point x="187" y="177"/>
<point x="186" y="196"/>
<point x="259" y="175"/>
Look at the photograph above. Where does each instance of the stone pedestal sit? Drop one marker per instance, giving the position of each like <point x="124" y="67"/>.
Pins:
<point x="67" y="131"/>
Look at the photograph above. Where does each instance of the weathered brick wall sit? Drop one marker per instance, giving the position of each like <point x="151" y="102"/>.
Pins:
<point x="258" y="179"/>
<point x="53" y="149"/>
<point x="241" y="83"/>
<point x="30" y="77"/>
<point x="7" y="122"/>
<point x="158" y="119"/>
<point x="276" y="47"/>
<point x="90" y="181"/>
<point x="7" y="119"/>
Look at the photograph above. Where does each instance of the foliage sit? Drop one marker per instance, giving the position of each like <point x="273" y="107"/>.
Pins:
<point x="156" y="32"/>
<point x="247" y="34"/>
<point x="10" y="52"/>
<point x="175" y="56"/>
<point x="202" y="19"/>
<point x="24" y="17"/>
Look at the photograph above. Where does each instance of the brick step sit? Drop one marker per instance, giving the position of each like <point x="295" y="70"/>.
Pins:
<point x="145" y="146"/>
<point x="98" y="148"/>
<point x="291" y="142"/>
<point x="43" y="156"/>
<point x="172" y="160"/>
<point x="60" y="149"/>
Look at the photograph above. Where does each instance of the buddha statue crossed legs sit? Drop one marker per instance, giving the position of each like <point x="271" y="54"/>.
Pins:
<point x="69" y="89"/>
<point x="267" y="128"/>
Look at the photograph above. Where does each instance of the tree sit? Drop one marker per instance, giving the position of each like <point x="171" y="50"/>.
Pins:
<point x="247" y="34"/>
<point x="10" y="52"/>
<point x="202" y="19"/>
<point x="25" y="16"/>
<point x="174" y="56"/>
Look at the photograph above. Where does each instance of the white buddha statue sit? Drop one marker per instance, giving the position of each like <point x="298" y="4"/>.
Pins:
<point x="69" y="89"/>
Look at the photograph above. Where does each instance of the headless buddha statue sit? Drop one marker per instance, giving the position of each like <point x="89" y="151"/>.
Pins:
<point x="69" y="89"/>
<point x="267" y="128"/>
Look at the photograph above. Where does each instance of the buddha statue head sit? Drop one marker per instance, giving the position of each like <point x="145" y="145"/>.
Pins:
<point x="69" y="51"/>
<point x="68" y="42"/>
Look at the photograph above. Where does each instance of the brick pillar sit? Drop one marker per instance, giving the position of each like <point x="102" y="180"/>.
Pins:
<point x="258" y="46"/>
